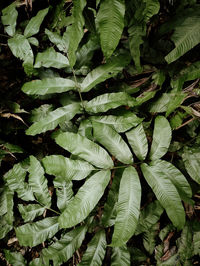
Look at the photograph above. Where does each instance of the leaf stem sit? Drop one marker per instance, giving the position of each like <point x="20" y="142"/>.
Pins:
<point x="78" y="87"/>
<point x="48" y="208"/>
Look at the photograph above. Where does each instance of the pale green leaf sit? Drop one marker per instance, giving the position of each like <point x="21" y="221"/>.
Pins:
<point x="33" y="234"/>
<point x="128" y="207"/>
<point x="107" y="101"/>
<point x="51" y="58"/>
<point x="85" y="129"/>
<point x="176" y="177"/>
<point x="84" y="149"/>
<point x="120" y="256"/>
<point x="38" y="182"/>
<point x="64" y="194"/>
<point x="65" y="169"/>
<point x="53" y="118"/>
<point x="33" y="26"/>
<point x="149" y="238"/>
<point x="138" y="142"/>
<point x="176" y="99"/>
<point x="110" y="69"/>
<point x="33" y="41"/>
<point x="38" y="262"/>
<point x="110" y="20"/>
<point x="161" y="138"/>
<point x="96" y="250"/>
<point x="120" y="123"/>
<point x="14" y="258"/>
<point x="191" y="159"/>
<point x="4" y="227"/>
<point x="62" y="42"/>
<point x="76" y="31"/>
<point x="9" y="18"/>
<point x="144" y="97"/>
<point x="63" y="249"/>
<point x="109" y="210"/>
<point x="166" y="193"/>
<point x="31" y="211"/>
<point x="15" y="179"/>
<point x="21" y="48"/>
<point x="39" y="113"/>
<point x="160" y="104"/>
<point x="85" y="200"/>
<point x="186" y="36"/>
<point x="113" y="142"/>
<point x="6" y="205"/>
<point x="48" y="85"/>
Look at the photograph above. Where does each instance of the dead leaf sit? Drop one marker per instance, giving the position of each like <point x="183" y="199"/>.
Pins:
<point x="11" y="241"/>
<point x="8" y="115"/>
<point x="168" y="254"/>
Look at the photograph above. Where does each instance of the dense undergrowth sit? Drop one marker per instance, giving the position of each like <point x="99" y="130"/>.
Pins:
<point x="99" y="146"/>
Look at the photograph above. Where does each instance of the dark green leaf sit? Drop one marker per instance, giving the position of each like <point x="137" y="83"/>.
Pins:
<point x="120" y="256"/>
<point x="14" y="258"/>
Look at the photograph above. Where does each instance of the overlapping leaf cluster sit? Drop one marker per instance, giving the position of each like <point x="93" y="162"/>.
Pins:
<point x="112" y="104"/>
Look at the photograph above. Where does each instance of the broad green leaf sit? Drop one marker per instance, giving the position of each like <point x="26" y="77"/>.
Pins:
<point x="33" y="26"/>
<point x="38" y="262"/>
<point x="76" y="31"/>
<point x="109" y="210"/>
<point x="85" y="200"/>
<point x="128" y="207"/>
<point x="161" y="138"/>
<point x="4" y="227"/>
<point x="21" y="48"/>
<point x="113" y="142"/>
<point x="176" y="177"/>
<point x="52" y="119"/>
<point x="186" y="36"/>
<point x="160" y="104"/>
<point x="64" y="194"/>
<point x="176" y="99"/>
<point x="39" y="113"/>
<point x="107" y="101"/>
<point x="85" y="129"/>
<point x="61" y="42"/>
<point x="149" y="238"/>
<point x="191" y="159"/>
<point x="166" y="193"/>
<point x="62" y="250"/>
<point x="15" y="179"/>
<point x="196" y="243"/>
<point x="6" y="205"/>
<point x="149" y="216"/>
<point x="138" y="142"/>
<point x="9" y="18"/>
<point x="14" y="258"/>
<point x="33" y="234"/>
<point x="51" y="58"/>
<point x="38" y="182"/>
<point x="65" y="169"/>
<point x="96" y="250"/>
<point x="144" y="97"/>
<point x="120" y="123"/>
<point x="110" y="20"/>
<point x="33" y="41"/>
<point x="49" y="85"/>
<point x="84" y="149"/>
<point x="31" y="211"/>
<point x="120" y="256"/>
<point x="108" y="70"/>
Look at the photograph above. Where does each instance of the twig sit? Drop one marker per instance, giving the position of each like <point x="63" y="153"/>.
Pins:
<point x="187" y="122"/>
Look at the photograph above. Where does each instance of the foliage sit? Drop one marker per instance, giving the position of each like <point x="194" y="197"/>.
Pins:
<point x="107" y="172"/>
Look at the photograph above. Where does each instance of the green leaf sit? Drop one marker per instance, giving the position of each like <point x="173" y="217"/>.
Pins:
<point x="21" y="48"/>
<point x="119" y="123"/>
<point x="108" y="70"/>
<point x="166" y="193"/>
<point x="38" y="182"/>
<point x="4" y="227"/>
<point x="33" y="26"/>
<point x="107" y="101"/>
<point x="9" y="18"/>
<point x="161" y="138"/>
<point x="64" y="194"/>
<point x="61" y="42"/>
<point x="76" y="31"/>
<point x="109" y="210"/>
<point x="85" y="200"/>
<point x="113" y="142"/>
<point x="176" y="99"/>
<point x="110" y="20"/>
<point x="85" y="149"/>
<point x="14" y="258"/>
<point x="176" y="177"/>
<point x="186" y="36"/>
<point x="160" y="104"/>
<point x="85" y="129"/>
<point x="6" y="205"/>
<point x="33" y="41"/>
<point x="30" y="211"/>
<point x="52" y="119"/>
<point x="15" y="179"/>
<point x="33" y="234"/>
<point x="39" y="113"/>
<point x="191" y="159"/>
<point x="120" y="256"/>
<point x="96" y="250"/>
<point x="138" y="142"/>
<point x="149" y="238"/>
<point x="48" y="85"/>
<point x="51" y="58"/>
<point x="128" y="207"/>
<point x="65" y="169"/>
<point x="63" y="249"/>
